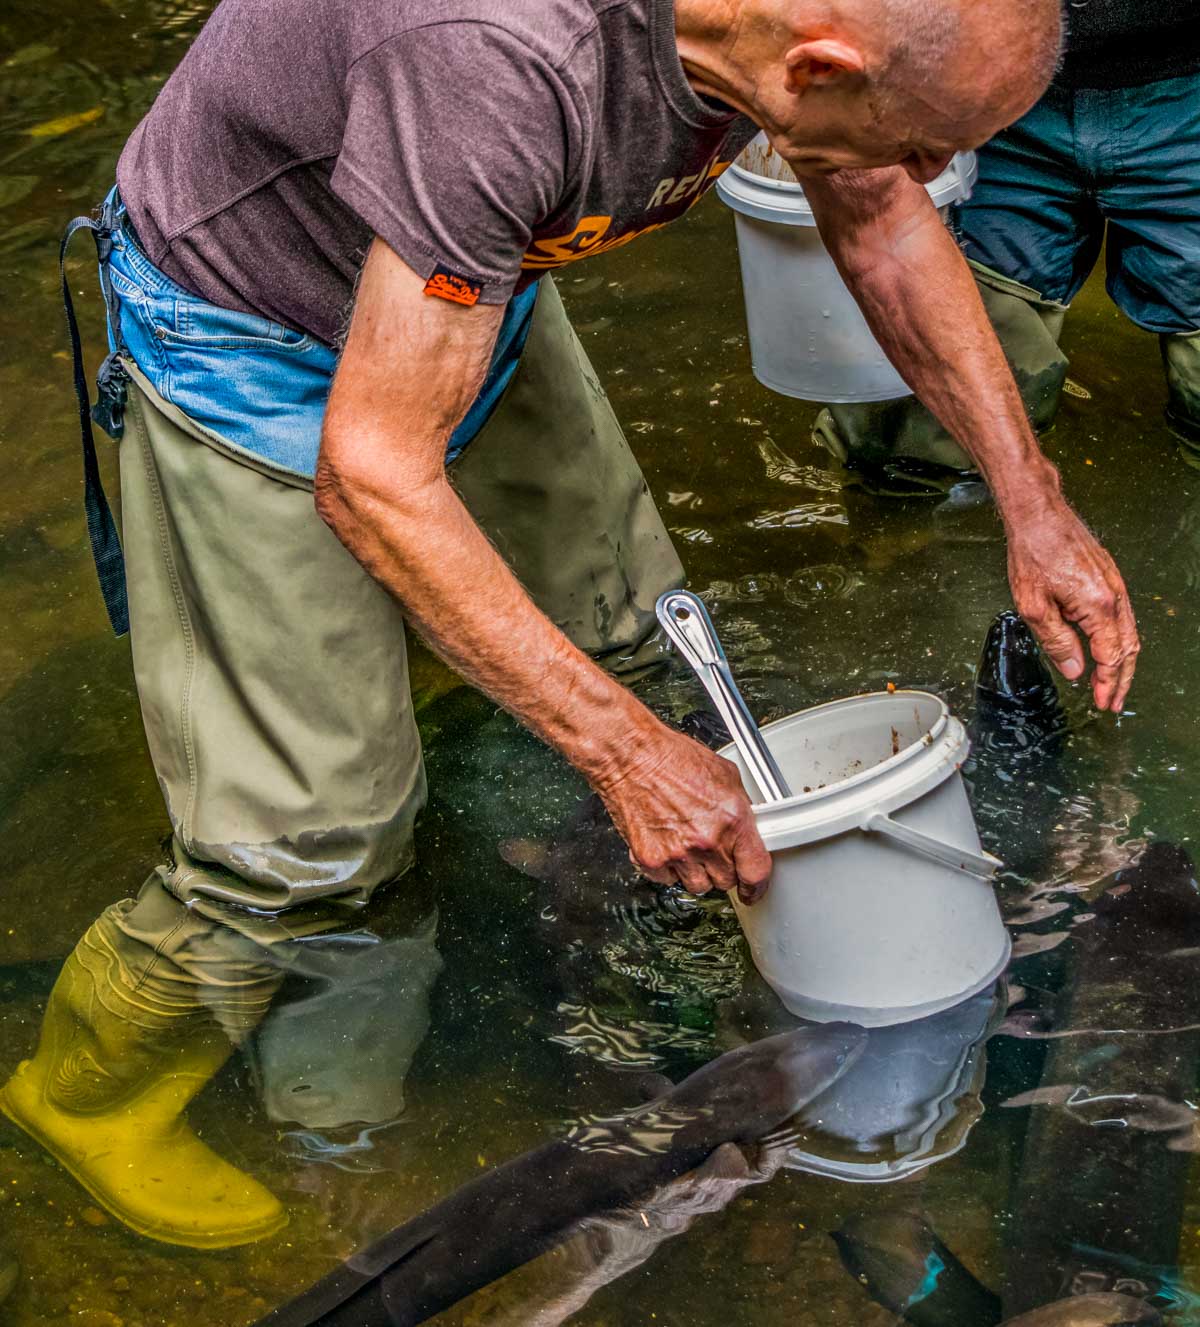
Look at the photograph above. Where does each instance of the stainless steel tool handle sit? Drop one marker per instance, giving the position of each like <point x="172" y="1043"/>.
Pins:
<point x="685" y="620"/>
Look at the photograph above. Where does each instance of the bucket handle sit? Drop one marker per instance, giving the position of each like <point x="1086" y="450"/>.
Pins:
<point x="982" y="865"/>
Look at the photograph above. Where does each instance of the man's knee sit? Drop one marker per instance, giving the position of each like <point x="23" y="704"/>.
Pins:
<point x="339" y="864"/>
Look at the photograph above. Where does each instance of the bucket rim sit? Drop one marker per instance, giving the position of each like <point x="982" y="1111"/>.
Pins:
<point x="786" y="187"/>
<point x="804" y="800"/>
<point x="784" y="202"/>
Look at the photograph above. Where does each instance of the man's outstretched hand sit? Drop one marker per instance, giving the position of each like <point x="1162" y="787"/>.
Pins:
<point x="1061" y="579"/>
<point x="686" y="818"/>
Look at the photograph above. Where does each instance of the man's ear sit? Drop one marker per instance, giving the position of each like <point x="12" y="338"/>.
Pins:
<point x="821" y="61"/>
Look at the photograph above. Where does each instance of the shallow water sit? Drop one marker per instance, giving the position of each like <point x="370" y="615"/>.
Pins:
<point x="818" y="590"/>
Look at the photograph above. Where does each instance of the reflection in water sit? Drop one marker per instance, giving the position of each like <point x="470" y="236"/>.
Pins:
<point x="807" y="513"/>
<point x="1097" y="1190"/>
<point x="607" y="1248"/>
<point x="905" y="1267"/>
<point x="150" y="1005"/>
<point x="783" y="470"/>
<point x="910" y="1101"/>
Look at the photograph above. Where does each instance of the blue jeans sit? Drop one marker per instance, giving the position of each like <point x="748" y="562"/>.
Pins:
<point x="1088" y="166"/>
<point x="261" y="386"/>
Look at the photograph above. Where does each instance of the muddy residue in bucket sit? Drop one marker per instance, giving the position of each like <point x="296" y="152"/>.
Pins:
<point x="760" y="158"/>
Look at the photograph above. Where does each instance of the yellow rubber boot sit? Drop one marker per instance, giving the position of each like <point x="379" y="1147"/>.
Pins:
<point x="105" y="1095"/>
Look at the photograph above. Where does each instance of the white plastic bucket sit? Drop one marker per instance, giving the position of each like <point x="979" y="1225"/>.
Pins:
<point x="881" y="908"/>
<point x="808" y="338"/>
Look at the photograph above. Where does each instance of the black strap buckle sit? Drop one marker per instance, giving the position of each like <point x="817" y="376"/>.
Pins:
<point x="108" y="413"/>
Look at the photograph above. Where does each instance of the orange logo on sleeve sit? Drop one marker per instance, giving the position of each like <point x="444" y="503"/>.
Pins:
<point x="459" y="289"/>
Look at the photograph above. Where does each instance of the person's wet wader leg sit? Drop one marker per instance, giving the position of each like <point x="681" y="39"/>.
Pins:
<point x="271" y="671"/>
<point x="271" y="668"/>
<point x="150" y="1005"/>
<point x="1181" y="360"/>
<point x="144" y="1012"/>
<point x="1031" y="232"/>
<point x="885" y="438"/>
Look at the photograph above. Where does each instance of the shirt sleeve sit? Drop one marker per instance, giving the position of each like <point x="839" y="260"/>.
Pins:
<point x="459" y="140"/>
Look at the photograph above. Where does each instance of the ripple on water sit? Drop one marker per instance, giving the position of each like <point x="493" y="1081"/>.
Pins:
<point x="781" y="468"/>
<point x="704" y="960"/>
<point x="692" y="534"/>
<point x="626" y="1043"/>
<point x="807" y="513"/>
<point x="806" y="586"/>
<point x="828" y="581"/>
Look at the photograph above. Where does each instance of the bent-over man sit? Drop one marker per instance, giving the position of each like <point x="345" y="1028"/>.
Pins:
<point x="353" y="400"/>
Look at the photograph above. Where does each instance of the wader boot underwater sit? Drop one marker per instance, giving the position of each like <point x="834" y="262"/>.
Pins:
<point x="898" y="449"/>
<point x="125" y="1046"/>
<point x="1181" y="360"/>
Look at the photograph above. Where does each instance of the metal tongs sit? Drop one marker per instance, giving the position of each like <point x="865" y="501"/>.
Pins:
<point x="685" y="620"/>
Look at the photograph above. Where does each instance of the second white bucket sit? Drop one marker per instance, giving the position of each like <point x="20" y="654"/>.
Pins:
<point x="808" y="338"/>
<point x="881" y="908"/>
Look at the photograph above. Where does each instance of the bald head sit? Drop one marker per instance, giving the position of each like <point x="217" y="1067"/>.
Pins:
<point x="966" y="56"/>
<point x="842" y="84"/>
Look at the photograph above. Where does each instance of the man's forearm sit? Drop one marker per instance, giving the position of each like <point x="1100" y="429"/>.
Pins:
<point x="918" y="295"/>
<point x="920" y="299"/>
<point x="410" y="369"/>
<point x="424" y="547"/>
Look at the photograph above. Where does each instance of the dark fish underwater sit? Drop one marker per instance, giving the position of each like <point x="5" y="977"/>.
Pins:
<point x="527" y="1206"/>
<point x="1017" y="709"/>
<point x="1100" y="1193"/>
<point x="1018" y="734"/>
<point x="902" y="1264"/>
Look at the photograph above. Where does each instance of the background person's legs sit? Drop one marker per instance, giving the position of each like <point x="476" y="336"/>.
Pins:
<point x="900" y="444"/>
<point x="1150" y="194"/>
<point x="1032" y="234"/>
<point x="1181" y="361"/>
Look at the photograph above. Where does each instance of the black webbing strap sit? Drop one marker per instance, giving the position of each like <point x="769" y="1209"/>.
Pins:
<point x="109" y="414"/>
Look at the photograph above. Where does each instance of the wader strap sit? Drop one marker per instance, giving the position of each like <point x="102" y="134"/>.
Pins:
<point x="108" y="413"/>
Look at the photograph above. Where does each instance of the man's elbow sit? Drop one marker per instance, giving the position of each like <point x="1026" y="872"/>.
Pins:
<point x="358" y="487"/>
<point x="336" y="495"/>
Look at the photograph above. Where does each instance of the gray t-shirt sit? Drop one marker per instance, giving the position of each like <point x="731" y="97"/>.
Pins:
<point x="486" y="141"/>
